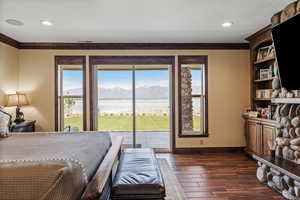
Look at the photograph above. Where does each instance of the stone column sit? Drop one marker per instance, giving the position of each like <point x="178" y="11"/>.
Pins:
<point x="288" y="132"/>
<point x="186" y="99"/>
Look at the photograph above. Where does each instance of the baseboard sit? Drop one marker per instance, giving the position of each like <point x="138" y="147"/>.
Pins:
<point x="208" y="150"/>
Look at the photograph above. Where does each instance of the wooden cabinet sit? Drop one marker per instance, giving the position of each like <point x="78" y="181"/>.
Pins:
<point x="259" y="134"/>
<point x="268" y="137"/>
<point x="252" y="136"/>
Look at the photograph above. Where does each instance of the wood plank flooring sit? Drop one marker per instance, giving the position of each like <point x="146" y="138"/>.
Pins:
<point x="218" y="176"/>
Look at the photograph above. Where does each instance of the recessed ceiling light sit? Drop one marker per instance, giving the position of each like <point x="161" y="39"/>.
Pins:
<point x="227" y="24"/>
<point x="46" y="23"/>
<point x="14" y="22"/>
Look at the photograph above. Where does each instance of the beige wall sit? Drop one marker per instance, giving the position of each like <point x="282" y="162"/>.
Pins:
<point x="9" y="63"/>
<point x="229" y="89"/>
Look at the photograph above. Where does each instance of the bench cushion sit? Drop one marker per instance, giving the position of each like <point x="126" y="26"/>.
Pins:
<point x="138" y="174"/>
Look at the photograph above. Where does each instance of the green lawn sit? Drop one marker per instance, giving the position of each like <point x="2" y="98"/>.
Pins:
<point x="124" y="122"/>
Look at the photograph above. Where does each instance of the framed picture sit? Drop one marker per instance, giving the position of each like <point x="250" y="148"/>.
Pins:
<point x="263" y="53"/>
<point x="271" y="51"/>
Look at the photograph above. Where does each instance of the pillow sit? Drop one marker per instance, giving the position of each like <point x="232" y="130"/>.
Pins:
<point x="5" y="120"/>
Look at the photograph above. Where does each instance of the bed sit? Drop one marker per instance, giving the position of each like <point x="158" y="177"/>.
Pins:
<point x="55" y="166"/>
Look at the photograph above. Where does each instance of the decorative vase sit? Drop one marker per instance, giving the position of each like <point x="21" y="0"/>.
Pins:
<point x="275" y="84"/>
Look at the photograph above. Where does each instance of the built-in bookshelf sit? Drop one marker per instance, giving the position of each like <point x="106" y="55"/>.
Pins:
<point x="263" y="72"/>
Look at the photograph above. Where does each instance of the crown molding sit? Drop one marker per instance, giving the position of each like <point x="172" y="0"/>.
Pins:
<point x="261" y="31"/>
<point x="134" y="46"/>
<point x="122" y="46"/>
<point x="8" y="40"/>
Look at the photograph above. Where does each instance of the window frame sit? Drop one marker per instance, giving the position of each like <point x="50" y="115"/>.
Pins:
<point x="68" y="60"/>
<point x="185" y="60"/>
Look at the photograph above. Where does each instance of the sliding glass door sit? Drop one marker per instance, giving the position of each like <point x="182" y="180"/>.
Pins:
<point x="152" y="105"/>
<point x="115" y="107"/>
<point x="133" y="100"/>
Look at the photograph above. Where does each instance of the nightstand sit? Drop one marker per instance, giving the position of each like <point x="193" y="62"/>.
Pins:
<point x="26" y="126"/>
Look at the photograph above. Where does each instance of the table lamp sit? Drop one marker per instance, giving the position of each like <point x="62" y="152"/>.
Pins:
<point x="18" y="100"/>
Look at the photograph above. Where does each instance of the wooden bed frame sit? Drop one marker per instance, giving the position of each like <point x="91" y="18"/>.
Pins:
<point x="102" y="181"/>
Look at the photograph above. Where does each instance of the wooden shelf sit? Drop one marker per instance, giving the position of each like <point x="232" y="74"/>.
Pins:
<point x="286" y="100"/>
<point x="264" y="60"/>
<point x="282" y="165"/>
<point x="263" y="80"/>
<point x="260" y="119"/>
<point x="260" y="99"/>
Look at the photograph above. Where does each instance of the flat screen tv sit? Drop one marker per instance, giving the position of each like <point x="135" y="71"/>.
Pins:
<point x="286" y="38"/>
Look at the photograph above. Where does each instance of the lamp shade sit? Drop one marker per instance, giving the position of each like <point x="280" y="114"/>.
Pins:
<point x="17" y="100"/>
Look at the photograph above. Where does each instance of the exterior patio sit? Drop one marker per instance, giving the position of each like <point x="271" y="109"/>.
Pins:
<point x="146" y="139"/>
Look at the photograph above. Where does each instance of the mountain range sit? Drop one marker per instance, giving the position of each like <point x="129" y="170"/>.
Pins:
<point x="144" y="92"/>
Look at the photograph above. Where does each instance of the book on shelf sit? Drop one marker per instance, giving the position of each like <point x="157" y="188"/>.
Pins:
<point x="265" y="73"/>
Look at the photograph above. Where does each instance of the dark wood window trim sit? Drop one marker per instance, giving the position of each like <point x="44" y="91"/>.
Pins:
<point x="70" y="60"/>
<point x="193" y="60"/>
<point x="131" y="60"/>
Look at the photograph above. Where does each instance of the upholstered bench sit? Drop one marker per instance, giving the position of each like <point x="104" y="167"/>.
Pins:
<point x="138" y="176"/>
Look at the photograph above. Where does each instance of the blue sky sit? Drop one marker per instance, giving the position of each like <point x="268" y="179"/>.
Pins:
<point x="72" y="79"/>
<point x="123" y="79"/>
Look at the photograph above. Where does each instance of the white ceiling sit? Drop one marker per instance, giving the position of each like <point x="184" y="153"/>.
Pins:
<point x="137" y="21"/>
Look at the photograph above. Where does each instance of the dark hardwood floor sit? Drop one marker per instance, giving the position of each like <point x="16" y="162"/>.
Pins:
<point x="218" y="176"/>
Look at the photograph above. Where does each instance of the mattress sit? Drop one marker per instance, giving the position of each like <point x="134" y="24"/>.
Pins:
<point x="49" y="165"/>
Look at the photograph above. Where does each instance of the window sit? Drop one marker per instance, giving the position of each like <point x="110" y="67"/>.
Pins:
<point x="192" y="76"/>
<point x="70" y="93"/>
